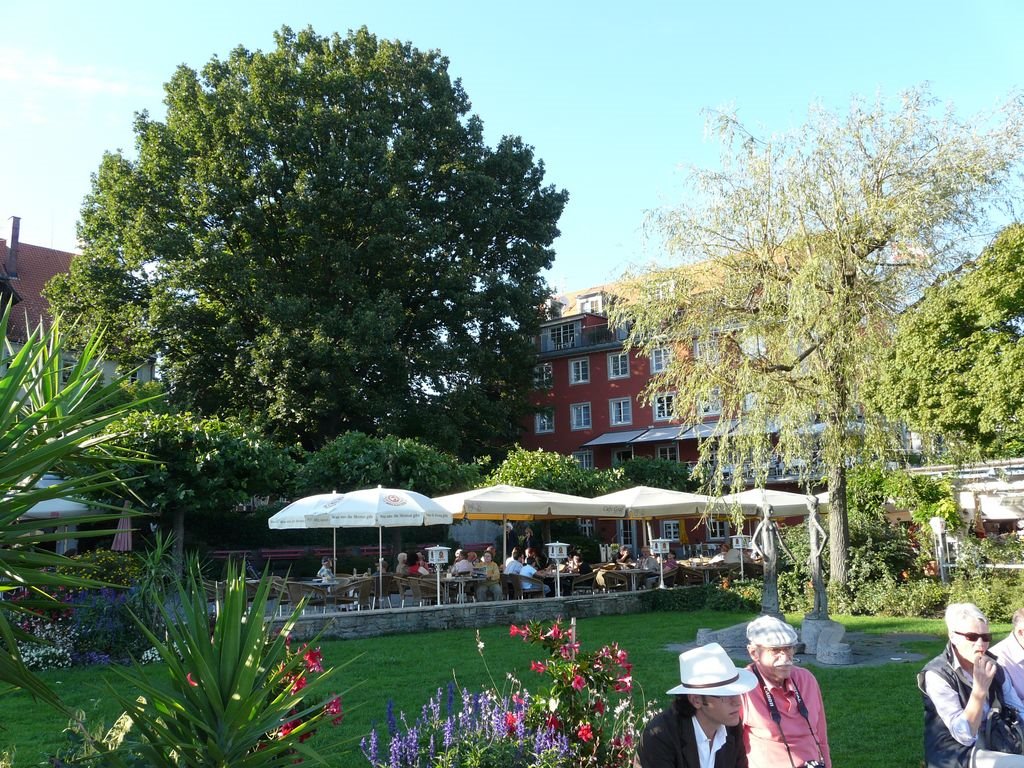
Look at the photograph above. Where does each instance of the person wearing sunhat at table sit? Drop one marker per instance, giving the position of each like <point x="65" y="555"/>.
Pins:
<point x="702" y="727"/>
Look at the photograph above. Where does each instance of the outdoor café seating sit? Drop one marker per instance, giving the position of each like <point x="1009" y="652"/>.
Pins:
<point x="584" y="585"/>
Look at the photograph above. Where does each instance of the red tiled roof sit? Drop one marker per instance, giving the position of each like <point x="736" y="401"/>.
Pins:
<point x="36" y="265"/>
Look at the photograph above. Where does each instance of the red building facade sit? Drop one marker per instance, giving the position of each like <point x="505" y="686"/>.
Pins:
<point x="591" y="401"/>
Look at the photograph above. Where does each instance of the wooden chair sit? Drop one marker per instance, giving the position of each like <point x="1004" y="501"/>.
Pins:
<point x="383" y="588"/>
<point x="599" y="574"/>
<point x="519" y="582"/>
<point x="686" y="576"/>
<point x="584" y="585"/>
<point x="424" y="590"/>
<point x="670" y="577"/>
<point x="313" y="595"/>
<point x="615" y="582"/>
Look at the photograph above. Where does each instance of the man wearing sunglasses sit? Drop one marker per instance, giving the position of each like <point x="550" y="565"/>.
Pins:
<point x="960" y="686"/>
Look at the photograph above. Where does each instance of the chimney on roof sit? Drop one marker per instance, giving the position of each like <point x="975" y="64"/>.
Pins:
<point x="12" y="248"/>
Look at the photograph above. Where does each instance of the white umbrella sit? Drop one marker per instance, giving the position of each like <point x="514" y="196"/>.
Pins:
<point x="646" y="502"/>
<point x="783" y="503"/>
<point x="369" y="508"/>
<point x="511" y="502"/>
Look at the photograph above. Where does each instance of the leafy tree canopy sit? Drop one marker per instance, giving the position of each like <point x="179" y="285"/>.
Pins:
<point x="319" y="237"/>
<point x="800" y="252"/>
<point x="202" y="466"/>
<point x="556" y="472"/>
<point x="354" y="460"/>
<point x="956" y="367"/>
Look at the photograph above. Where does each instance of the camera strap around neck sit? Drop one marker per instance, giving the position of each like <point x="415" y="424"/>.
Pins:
<point x="776" y="716"/>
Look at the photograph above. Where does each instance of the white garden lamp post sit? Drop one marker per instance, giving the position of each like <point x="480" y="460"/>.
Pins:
<point x="558" y="552"/>
<point x="660" y="547"/>
<point x="438" y="557"/>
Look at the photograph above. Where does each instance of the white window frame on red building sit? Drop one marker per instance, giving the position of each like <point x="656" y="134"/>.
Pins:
<point x="663" y="405"/>
<point x="668" y="452"/>
<point x="544" y="422"/>
<point x="660" y="359"/>
<point x="617" y="361"/>
<point x="576" y="412"/>
<point x="585" y="458"/>
<point x="620" y="411"/>
<point x="579" y="370"/>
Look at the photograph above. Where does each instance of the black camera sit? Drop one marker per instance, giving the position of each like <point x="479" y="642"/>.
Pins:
<point x="814" y="764"/>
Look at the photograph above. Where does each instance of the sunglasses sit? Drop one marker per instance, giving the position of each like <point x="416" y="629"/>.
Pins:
<point x="974" y="637"/>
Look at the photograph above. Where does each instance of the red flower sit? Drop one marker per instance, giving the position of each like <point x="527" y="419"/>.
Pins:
<point x="569" y="650"/>
<point x="298" y="683"/>
<point x="599" y="706"/>
<point x="191" y="682"/>
<point x="624" y="684"/>
<point x="537" y="666"/>
<point x="314" y="660"/>
<point x="552" y="722"/>
<point x="578" y="683"/>
<point x="585" y="732"/>
<point x="555" y="632"/>
<point x="622" y="657"/>
<point x="333" y="707"/>
<point x="288" y="727"/>
<point x="511" y="721"/>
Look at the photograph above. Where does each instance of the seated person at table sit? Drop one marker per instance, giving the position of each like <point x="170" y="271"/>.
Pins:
<point x="490" y="587"/>
<point x="402" y="565"/>
<point x="514" y="562"/>
<point x="575" y="565"/>
<point x="530" y="569"/>
<point x="420" y="567"/>
<point x="625" y="558"/>
<point x="382" y="566"/>
<point x="670" y="563"/>
<point x="648" y="562"/>
<point x="462" y="566"/>
<point x="537" y="556"/>
<point x="326" y="572"/>
<point x="473" y="560"/>
<point x="726" y="554"/>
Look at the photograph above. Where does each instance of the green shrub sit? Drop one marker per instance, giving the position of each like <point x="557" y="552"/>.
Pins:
<point x="743" y="596"/>
<point x="120" y="568"/>
<point x="997" y="595"/>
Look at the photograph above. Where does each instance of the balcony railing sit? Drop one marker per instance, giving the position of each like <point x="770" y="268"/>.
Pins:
<point x="590" y="337"/>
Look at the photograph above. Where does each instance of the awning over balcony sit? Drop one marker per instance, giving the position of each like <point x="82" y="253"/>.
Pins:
<point x="614" y="438"/>
<point x="659" y="435"/>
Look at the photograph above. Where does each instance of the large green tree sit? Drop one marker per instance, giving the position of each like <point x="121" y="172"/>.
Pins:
<point x="956" y="367"/>
<point x="318" y="235"/>
<point x="201" y="466"/>
<point x="799" y="253"/>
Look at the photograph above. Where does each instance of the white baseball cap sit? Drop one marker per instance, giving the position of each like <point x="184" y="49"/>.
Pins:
<point x="709" y="671"/>
<point x="770" y="632"/>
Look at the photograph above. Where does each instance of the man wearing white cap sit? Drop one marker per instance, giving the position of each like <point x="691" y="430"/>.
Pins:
<point x="701" y="729"/>
<point x="783" y="715"/>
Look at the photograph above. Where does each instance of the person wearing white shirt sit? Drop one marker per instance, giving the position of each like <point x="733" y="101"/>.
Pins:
<point x="702" y="727"/>
<point x="1010" y="652"/>
<point x="960" y="686"/>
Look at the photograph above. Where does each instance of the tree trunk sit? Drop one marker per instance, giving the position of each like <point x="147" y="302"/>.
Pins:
<point x="838" y="524"/>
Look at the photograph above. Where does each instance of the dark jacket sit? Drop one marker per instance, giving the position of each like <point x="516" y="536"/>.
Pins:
<point x="941" y="750"/>
<point x="668" y="741"/>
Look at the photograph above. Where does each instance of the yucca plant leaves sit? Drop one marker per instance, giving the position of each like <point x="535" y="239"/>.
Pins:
<point x="54" y="417"/>
<point x="229" y="691"/>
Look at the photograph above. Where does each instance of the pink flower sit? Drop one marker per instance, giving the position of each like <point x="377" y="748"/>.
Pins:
<point x="191" y="682"/>
<point x="578" y="683"/>
<point x="624" y="684"/>
<point x="298" y="683"/>
<point x="537" y="666"/>
<point x="555" y="632"/>
<point x="585" y="732"/>
<point x="288" y="727"/>
<point x="622" y="657"/>
<point x="333" y="707"/>
<point x="510" y="722"/>
<point x="569" y="650"/>
<point x="513" y="631"/>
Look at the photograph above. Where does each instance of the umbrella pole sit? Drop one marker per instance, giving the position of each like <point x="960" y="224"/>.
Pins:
<point x="380" y="570"/>
<point x="334" y="561"/>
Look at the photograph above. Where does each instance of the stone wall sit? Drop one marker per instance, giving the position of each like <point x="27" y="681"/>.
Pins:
<point x="392" y="621"/>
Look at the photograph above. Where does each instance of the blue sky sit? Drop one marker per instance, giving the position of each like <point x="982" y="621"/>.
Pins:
<point x="610" y="95"/>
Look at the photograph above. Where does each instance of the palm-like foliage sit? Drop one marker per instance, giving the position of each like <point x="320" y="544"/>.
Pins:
<point x="235" y="697"/>
<point x="55" y="416"/>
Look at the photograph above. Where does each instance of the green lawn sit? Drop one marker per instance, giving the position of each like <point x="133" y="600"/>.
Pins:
<point x="874" y="713"/>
